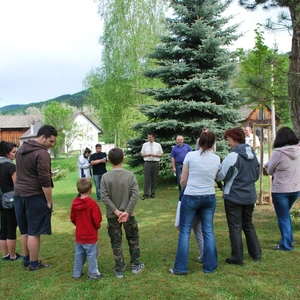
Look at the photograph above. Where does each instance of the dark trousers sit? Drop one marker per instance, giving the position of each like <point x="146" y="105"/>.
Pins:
<point x="178" y="174"/>
<point x="132" y="236"/>
<point x="150" y="177"/>
<point x="239" y="217"/>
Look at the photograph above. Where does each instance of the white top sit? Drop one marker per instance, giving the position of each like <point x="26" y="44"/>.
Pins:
<point x="151" y="148"/>
<point x="249" y="140"/>
<point x="203" y="169"/>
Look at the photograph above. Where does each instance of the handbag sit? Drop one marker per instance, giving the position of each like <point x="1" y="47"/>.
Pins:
<point x="8" y="200"/>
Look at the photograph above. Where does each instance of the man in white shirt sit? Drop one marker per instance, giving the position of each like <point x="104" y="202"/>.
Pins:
<point x="249" y="139"/>
<point x="151" y="152"/>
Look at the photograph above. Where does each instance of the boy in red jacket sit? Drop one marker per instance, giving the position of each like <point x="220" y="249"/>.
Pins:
<point x="86" y="216"/>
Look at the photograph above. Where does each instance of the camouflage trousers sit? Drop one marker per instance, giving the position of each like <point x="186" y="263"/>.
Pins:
<point x="132" y="235"/>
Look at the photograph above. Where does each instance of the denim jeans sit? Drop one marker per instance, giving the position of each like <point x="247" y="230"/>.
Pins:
<point x="239" y="217"/>
<point x="178" y="174"/>
<point x="97" y="179"/>
<point x="283" y="202"/>
<point x="204" y="206"/>
<point x="83" y="251"/>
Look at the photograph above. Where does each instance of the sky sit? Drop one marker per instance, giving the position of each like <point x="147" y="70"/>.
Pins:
<point x="47" y="47"/>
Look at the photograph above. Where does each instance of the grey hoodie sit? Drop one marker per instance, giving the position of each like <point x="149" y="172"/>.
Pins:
<point x="284" y="166"/>
<point x="240" y="171"/>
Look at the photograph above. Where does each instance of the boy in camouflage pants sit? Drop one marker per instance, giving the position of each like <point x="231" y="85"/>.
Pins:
<point x="119" y="193"/>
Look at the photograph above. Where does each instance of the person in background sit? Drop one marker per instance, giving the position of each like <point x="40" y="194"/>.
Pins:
<point x="152" y="153"/>
<point x="120" y="203"/>
<point x="84" y="167"/>
<point x="8" y="236"/>
<point x="284" y="166"/>
<point x="98" y="162"/>
<point x="86" y="216"/>
<point x="240" y="171"/>
<point x="249" y="139"/>
<point x="33" y="194"/>
<point x="197" y="180"/>
<point x="178" y="154"/>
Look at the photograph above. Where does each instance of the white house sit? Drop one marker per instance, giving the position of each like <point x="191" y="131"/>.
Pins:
<point x="84" y="134"/>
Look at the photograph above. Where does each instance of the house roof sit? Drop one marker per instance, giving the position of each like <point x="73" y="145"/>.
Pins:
<point x="32" y="131"/>
<point x="246" y="110"/>
<point x="18" y="121"/>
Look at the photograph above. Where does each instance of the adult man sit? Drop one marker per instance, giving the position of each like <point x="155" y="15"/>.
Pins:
<point x="33" y="194"/>
<point x="178" y="154"/>
<point x="249" y="138"/>
<point x="151" y="152"/>
<point x="98" y="161"/>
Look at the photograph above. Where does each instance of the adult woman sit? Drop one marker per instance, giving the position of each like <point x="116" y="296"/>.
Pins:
<point x="240" y="170"/>
<point x="197" y="180"/>
<point x="84" y="167"/>
<point x="8" y="237"/>
<point x="284" y="166"/>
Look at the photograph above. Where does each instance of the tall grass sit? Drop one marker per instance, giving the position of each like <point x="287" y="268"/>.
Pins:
<point x="275" y="277"/>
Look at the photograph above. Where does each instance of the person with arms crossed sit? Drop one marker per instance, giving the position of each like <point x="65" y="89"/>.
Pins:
<point x="33" y="194"/>
<point x="152" y="153"/>
<point x="98" y="161"/>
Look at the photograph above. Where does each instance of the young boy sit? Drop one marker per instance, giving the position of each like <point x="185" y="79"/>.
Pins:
<point x="119" y="193"/>
<point x="86" y="216"/>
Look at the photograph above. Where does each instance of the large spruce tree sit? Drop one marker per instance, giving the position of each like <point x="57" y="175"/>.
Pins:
<point x="195" y="65"/>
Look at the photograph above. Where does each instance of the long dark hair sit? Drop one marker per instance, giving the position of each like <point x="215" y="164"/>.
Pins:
<point x="6" y="147"/>
<point x="206" y="140"/>
<point x="285" y="136"/>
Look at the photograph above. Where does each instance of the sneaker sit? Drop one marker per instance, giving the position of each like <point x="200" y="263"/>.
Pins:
<point x="137" y="268"/>
<point x="40" y="266"/>
<point x="119" y="274"/>
<point x="17" y="256"/>
<point x="7" y="257"/>
<point x="94" y="277"/>
<point x="25" y="264"/>
<point x="171" y="271"/>
<point x="199" y="259"/>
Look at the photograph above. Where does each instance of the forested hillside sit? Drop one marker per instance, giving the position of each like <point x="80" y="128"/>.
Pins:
<point x="76" y="100"/>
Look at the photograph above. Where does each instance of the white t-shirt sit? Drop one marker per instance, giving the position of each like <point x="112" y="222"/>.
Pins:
<point x="249" y="140"/>
<point x="202" y="172"/>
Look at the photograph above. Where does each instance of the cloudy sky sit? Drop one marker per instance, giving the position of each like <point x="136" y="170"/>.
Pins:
<point x="48" y="47"/>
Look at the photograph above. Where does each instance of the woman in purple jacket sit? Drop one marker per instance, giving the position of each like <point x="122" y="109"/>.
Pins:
<point x="284" y="166"/>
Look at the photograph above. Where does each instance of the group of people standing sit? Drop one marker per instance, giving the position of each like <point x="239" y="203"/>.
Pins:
<point x="196" y="173"/>
<point x="96" y="162"/>
<point x="30" y="182"/>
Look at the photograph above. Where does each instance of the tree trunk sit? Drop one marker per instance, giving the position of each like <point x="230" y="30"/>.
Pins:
<point x="294" y="71"/>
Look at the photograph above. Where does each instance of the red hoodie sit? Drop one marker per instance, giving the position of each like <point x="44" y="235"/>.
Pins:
<point x="86" y="216"/>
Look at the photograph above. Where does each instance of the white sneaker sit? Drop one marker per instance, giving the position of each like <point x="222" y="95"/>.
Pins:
<point x="137" y="268"/>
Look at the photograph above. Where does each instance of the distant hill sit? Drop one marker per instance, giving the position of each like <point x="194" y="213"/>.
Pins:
<point x="76" y="100"/>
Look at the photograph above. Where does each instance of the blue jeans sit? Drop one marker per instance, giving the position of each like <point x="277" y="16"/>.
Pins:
<point x="283" y="202"/>
<point x="205" y="207"/>
<point x="97" y="179"/>
<point x="178" y="174"/>
<point x="83" y="251"/>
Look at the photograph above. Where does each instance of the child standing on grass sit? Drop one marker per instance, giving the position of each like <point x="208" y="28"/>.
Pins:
<point x="86" y="216"/>
<point x="119" y="193"/>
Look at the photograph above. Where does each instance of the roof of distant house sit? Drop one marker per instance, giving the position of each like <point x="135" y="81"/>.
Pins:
<point x="19" y="121"/>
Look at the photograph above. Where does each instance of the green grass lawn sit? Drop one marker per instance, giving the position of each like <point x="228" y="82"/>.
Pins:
<point x="275" y="277"/>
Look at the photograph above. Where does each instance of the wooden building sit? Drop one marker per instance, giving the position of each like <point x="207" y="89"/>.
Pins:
<point x="251" y="115"/>
<point x="13" y="127"/>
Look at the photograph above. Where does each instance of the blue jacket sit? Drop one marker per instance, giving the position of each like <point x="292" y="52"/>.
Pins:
<point x="239" y="171"/>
